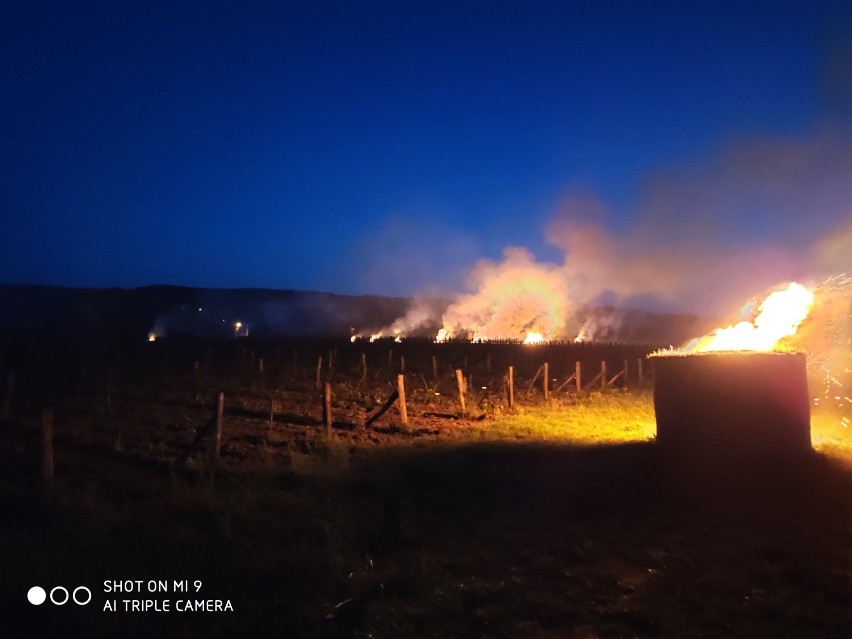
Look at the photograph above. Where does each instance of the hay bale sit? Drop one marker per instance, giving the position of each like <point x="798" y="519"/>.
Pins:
<point x="732" y="403"/>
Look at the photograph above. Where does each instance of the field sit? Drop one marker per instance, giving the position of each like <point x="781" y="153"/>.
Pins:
<point x="554" y="518"/>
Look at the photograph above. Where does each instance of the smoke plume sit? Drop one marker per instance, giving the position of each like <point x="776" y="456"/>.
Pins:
<point x="699" y="239"/>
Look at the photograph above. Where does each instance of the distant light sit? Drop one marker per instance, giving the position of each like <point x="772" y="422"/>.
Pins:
<point x="152" y="337"/>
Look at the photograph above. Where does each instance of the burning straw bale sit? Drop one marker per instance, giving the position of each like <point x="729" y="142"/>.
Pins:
<point x="732" y="402"/>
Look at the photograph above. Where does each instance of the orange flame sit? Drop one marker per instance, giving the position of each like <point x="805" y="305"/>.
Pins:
<point x="533" y="338"/>
<point x="779" y="317"/>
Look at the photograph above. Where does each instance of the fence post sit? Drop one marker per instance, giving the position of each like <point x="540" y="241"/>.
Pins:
<point x="434" y="367"/>
<point x="195" y="375"/>
<point x="363" y="366"/>
<point x="319" y="373"/>
<point x="400" y="388"/>
<point x="603" y="375"/>
<point x="460" y="384"/>
<point x="326" y="408"/>
<point x="47" y="446"/>
<point x="511" y="386"/>
<point x="639" y="369"/>
<point x="10" y="391"/>
<point x="217" y="432"/>
<point x="546" y="375"/>
<point x="577" y="371"/>
<point x="624" y="379"/>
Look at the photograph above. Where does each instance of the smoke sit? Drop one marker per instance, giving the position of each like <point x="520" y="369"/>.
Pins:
<point x="700" y="239"/>
<point x="422" y="318"/>
<point x="516" y="297"/>
<point x="704" y="238"/>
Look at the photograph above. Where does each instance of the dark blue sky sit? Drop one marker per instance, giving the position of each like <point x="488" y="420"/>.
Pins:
<point x="367" y="146"/>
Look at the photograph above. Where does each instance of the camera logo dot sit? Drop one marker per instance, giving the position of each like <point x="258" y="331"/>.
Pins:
<point x="36" y="595"/>
<point x="59" y="595"/>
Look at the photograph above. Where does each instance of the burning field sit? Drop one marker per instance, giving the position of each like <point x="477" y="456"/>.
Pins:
<point x="506" y="476"/>
<point x="547" y="504"/>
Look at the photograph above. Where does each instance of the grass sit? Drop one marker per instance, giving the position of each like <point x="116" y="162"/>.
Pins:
<point x="544" y="522"/>
<point x="595" y="419"/>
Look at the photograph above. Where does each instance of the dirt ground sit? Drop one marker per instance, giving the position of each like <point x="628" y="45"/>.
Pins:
<point x="494" y="524"/>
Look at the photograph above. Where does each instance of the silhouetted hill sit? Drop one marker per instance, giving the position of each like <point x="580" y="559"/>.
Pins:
<point x="186" y="310"/>
<point x="181" y="310"/>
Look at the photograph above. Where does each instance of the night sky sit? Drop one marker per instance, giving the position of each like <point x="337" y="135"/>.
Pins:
<point x="382" y="147"/>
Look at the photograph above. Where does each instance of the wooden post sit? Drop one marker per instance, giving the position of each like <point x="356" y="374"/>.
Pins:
<point x="434" y="367"/>
<point x="577" y="369"/>
<point x="603" y="375"/>
<point x="47" y="446"/>
<point x="195" y="375"/>
<point x="624" y="378"/>
<point x="109" y="391"/>
<point x="217" y="432"/>
<point x="546" y="375"/>
<point x="460" y="384"/>
<point x="639" y="370"/>
<point x="271" y="417"/>
<point x="330" y="358"/>
<point x="326" y="408"/>
<point x="261" y="373"/>
<point x="402" y="363"/>
<point x="511" y="386"/>
<point x="363" y="366"/>
<point x="10" y="391"/>
<point x="535" y="378"/>
<point x="319" y="373"/>
<point x="403" y="411"/>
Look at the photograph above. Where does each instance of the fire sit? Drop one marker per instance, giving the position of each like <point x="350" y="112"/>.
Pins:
<point x="779" y="316"/>
<point x="533" y="338"/>
<point x="513" y="300"/>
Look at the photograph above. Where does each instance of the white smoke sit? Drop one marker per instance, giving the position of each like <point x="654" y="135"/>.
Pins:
<point x="700" y="239"/>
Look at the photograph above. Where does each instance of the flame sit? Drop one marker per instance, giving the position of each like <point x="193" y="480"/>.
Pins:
<point x="152" y="337"/>
<point x="779" y="316"/>
<point x="533" y="338"/>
